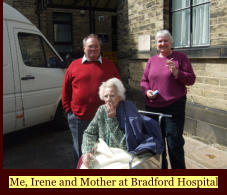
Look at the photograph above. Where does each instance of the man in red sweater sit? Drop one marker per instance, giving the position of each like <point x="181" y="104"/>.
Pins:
<point x="80" y="97"/>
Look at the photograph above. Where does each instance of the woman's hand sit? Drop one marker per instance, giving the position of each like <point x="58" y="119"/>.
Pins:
<point x="110" y="110"/>
<point x="172" y="67"/>
<point x="86" y="159"/>
<point x="150" y="95"/>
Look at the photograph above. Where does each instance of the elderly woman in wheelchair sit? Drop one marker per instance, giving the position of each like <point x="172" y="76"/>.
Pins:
<point x="118" y="134"/>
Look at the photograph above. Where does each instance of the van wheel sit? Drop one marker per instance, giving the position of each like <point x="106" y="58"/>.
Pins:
<point x="60" y="121"/>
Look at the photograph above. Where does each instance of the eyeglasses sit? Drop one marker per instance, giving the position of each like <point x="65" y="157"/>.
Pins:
<point x="93" y="46"/>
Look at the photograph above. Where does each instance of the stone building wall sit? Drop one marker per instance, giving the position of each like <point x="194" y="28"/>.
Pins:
<point x="138" y="17"/>
<point x="80" y="22"/>
<point x="80" y="26"/>
<point x="28" y="8"/>
<point x="218" y="22"/>
<point x="10" y="2"/>
<point x="78" y="30"/>
<point x="210" y="88"/>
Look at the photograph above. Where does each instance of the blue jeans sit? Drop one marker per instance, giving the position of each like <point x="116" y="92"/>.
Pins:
<point x="77" y="128"/>
<point x="172" y="131"/>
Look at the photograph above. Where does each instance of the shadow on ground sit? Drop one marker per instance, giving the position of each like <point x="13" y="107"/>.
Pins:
<point x="40" y="147"/>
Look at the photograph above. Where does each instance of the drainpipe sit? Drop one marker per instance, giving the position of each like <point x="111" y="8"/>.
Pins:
<point x="91" y="18"/>
<point x="38" y="12"/>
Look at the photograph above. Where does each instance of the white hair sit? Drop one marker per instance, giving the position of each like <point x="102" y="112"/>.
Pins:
<point x="113" y="82"/>
<point x="164" y="33"/>
<point x="94" y="36"/>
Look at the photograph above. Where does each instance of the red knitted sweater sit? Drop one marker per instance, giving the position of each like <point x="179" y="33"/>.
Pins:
<point x="81" y="85"/>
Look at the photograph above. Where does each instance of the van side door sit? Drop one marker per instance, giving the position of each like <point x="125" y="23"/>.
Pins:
<point x="12" y="104"/>
<point x="41" y="76"/>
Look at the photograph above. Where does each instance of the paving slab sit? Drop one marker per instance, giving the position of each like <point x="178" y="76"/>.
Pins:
<point x="199" y="155"/>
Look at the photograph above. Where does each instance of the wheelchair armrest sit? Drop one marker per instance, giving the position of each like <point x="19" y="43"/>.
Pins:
<point x="160" y="115"/>
<point x="154" y="113"/>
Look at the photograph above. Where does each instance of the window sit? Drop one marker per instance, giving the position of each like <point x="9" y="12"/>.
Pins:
<point x="62" y="32"/>
<point x="36" y="52"/>
<point x="190" y="23"/>
<point x="103" y="37"/>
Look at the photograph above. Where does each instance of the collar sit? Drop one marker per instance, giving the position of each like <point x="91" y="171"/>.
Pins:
<point x="84" y="59"/>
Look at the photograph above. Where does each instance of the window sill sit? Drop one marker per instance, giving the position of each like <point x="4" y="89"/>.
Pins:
<point x="211" y="52"/>
<point x="192" y="53"/>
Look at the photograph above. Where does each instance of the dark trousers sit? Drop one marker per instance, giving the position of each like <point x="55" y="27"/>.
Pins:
<point x="77" y="128"/>
<point x="172" y="131"/>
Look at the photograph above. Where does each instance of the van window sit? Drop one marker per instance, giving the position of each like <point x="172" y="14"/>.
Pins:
<point x="36" y="52"/>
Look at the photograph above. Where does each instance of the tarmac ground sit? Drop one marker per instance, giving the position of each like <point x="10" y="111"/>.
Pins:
<point x="43" y="147"/>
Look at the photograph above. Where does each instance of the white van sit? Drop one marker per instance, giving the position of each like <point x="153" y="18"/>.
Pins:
<point x="33" y="74"/>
